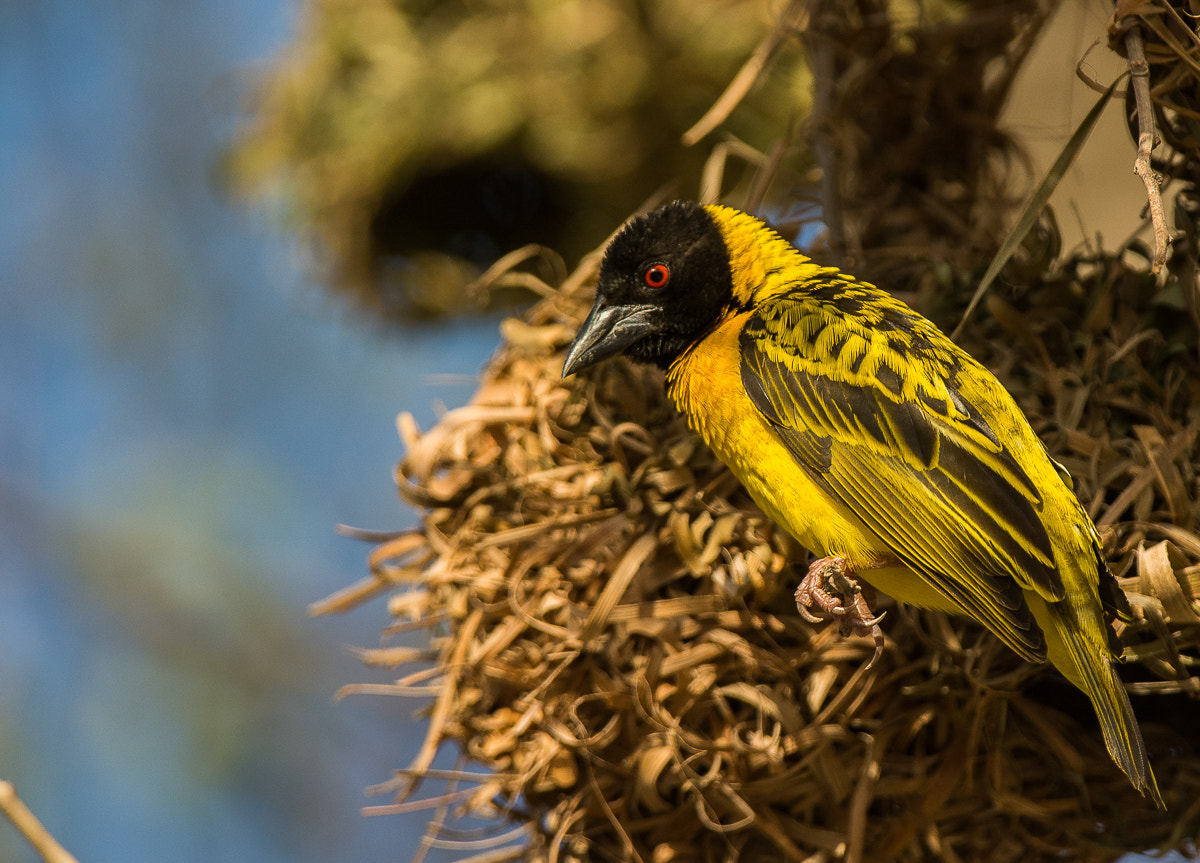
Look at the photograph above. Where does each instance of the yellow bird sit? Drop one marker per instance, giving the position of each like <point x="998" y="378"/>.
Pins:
<point x="873" y="439"/>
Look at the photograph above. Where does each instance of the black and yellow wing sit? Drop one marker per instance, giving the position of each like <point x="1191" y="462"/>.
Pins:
<point x="883" y="414"/>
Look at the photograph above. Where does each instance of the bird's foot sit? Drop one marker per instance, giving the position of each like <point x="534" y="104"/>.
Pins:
<point x="829" y="587"/>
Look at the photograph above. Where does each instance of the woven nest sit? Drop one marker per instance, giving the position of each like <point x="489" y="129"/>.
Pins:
<point x="614" y="652"/>
<point x="618" y="661"/>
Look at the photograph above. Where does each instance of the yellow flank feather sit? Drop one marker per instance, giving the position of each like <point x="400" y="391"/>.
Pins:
<point x="707" y="388"/>
<point x="868" y="435"/>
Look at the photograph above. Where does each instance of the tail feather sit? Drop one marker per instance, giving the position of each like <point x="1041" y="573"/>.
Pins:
<point x="1097" y="677"/>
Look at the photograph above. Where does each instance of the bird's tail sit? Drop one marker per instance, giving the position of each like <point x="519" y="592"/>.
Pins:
<point x="1097" y="676"/>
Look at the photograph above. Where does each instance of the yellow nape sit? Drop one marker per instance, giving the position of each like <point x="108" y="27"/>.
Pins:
<point x="765" y="263"/>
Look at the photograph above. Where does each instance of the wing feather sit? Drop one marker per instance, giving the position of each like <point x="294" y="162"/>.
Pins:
<point x="919" y="465"/>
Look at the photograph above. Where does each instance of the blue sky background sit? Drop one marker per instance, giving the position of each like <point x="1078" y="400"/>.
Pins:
<point x="184" y="416"/>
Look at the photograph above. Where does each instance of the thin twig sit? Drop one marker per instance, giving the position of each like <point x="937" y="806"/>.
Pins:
<point x="1041" y="196"/>
<point x="793" y="17"/>
<point x="1139" y="69"/>
<point x="712" y="176"/>
<point x="1174" y="13"/>
<point x="765" y="174"/>
<point x="34" y="832"/>
<point x="856" y="846"/>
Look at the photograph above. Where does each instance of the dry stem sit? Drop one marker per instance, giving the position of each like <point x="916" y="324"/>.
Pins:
<point x="27" y="823"/>
<point x="793" y="17"/>
<point x="1139" y="69"/>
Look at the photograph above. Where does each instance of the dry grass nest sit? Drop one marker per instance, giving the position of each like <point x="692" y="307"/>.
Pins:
<point x="616" y="657"/>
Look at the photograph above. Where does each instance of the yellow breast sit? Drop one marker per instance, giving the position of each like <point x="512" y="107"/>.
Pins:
<point x="705" y="383"/>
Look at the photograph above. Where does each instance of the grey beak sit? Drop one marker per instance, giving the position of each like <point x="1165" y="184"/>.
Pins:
<point x="608" y="331"/>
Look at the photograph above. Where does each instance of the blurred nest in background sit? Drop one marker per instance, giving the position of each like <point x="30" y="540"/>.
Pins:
<point x="414" y="143"/>
<point x="417" y="142"/>
<point x="614" y="651"/>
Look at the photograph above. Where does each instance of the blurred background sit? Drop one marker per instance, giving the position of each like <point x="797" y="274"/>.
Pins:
<point x="186" y="411"/>
<point x="184" y="417"/>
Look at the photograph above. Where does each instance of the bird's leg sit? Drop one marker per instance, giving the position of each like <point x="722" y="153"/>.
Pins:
<point x="827" y="577"/>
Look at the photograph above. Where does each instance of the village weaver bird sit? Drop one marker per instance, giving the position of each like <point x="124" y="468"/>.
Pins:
<point x="873" y="439"/>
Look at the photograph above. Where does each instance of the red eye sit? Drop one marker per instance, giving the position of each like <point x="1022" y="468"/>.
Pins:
<point x="657" y="275"/>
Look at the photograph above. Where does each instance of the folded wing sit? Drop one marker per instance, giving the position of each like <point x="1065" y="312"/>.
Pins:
<point x="876" y="416"/>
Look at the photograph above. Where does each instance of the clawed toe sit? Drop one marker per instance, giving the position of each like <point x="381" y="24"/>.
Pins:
<point x="805" y="613"/>
<point x="854" y="615"/>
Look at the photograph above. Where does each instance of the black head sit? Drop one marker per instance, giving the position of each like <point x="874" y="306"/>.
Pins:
<point x="664" y="282"/>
